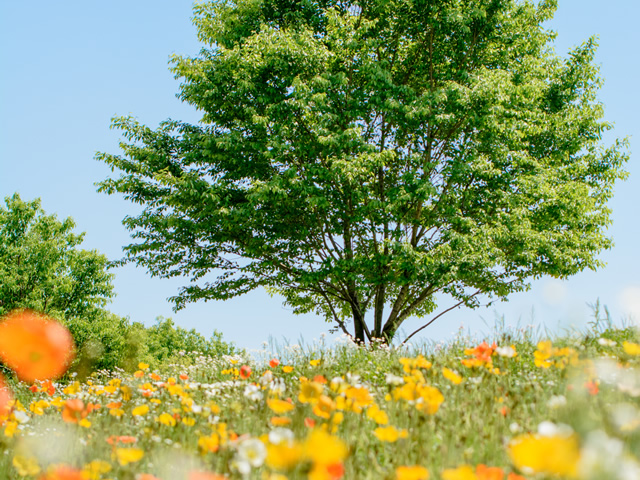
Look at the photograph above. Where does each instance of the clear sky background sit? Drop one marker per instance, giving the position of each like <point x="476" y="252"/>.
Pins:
<point x="68" y="67"/>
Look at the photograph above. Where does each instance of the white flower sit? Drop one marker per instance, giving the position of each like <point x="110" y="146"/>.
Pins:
<point x="392" y="379"/>
<point x="514" y="427"/>
<point x="252" y="392"/>
<point x="281" y="435"/>
<point x="20" y="416"/>
<point x="557" y="401"/>
<point x="508" y="352"/>
<point x="550" y="429"/>
<point x="605" y="342"/>
<point x="251" y="451"/>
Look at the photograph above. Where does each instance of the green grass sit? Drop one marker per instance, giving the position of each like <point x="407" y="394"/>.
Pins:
<point x="472" y="426"/>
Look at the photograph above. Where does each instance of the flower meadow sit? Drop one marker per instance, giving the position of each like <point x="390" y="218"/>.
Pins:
<point x="510" y="408"/>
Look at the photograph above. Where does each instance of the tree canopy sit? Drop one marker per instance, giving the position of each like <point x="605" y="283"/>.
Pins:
<point x="42" y="267"/>
<point x="365" y="156"/>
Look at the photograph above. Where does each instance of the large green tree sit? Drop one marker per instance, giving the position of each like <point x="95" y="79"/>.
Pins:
<point x="43" y="268"/>
<point x="365" y="156"/>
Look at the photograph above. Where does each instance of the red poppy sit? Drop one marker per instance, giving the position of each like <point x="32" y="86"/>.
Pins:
<point x="274" y="362"/>
<point x="245" y="371"/>
<point x="35" y="346"/>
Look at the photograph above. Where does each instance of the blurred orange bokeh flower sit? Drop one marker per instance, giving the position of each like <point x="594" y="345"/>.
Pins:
<point x="35" y="346"/>
<point x="63" y="473"/>
<point x="245" y="371"/>
<point x="5" y="399"/>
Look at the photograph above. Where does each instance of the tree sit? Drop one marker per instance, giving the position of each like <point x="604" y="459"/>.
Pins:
<point x="42" y="268"/>
<point x="365" y="156"/>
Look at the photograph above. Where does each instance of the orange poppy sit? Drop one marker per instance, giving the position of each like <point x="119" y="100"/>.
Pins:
<point x="245" y="371"/>
<point x="113" y="439"/>
<point x="274" y="362"/>
<point x="35" y="346"/>
<point x="74" y="410"/>
<point x="489" y="473"/>
<point x="5" y="399"/>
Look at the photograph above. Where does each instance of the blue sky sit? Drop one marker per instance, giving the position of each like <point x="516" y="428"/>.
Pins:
<point x="68" y="67"/>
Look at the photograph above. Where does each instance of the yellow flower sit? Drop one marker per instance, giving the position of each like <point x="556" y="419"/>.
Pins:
<point x="116" y="412"/>
<point x="94" y="470"/>
<point x="284" y="456"/>
<point x="210" y="443"/>
<point x="280" y="421"/>
<point x="167" y="419"/>
<point x="126" y="456"/>
<point x="10" y="429"/>
<point x="631" y="348"/>
<point x="279" y="406"/>
<point x="464" y="472"/>
<point x="390" y="434"/>
<point x="452" y="376"/>
<point x="323" y="448"/>
<point x="140" y="410"/>
<point x="84" y="423"/>
<point x="555" y="454"/>
<point x="287" y="369"/>
<point x="310" y="392"/>
<point x="377" y="415"/>
<point x="359" y="397"/>
<point x="25" y="466"/>
<point x="430" y="399"/>
<point x="315" y="363"/>
<point x="143" y="366"/>
<point x="412" y="473"/>
<point x="324" y="406"/>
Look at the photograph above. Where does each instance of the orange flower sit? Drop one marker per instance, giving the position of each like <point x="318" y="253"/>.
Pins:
<point x="35" y="346"/>
<point x="113" y="439"/>
<point x="489" y="473"/>
<point x="309" y="422"/>
<point x="183" y="377"/>
<point x="274" y="362"/>
<point x="5" y="400"/>
<point x="63" y="473"/>
<point x="146" y="476"/>
<point x="196" y="475"/>
<point x="245" y="371"/>
<point x="73" y="411"/>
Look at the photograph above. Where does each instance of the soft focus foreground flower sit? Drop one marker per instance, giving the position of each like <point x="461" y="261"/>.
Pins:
<point x="245" y="371"/>
<point x="126" y="456"/>
<point x="63" y="473"/>
<point x="452" y="376"/>
<point x="464" y="472"/>
<point x="35" y="346"/>
<point x="323" y="448"/>
<point x="279" y="406"/>
<point x="73" y="410"/>
<point x="251" y="454"/>
<point x="196" y="475"/>
<point x="556" y="454"/>
<point x="631" y="348"/>
<point x="390" y="434"/>
<point x="5" y="400"/>
<point x="489" y="473"/>
<point x="412" y="473"/>
<point x="25" y="465"/>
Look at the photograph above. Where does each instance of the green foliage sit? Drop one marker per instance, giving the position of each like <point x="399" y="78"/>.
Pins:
<point x="367" y="156"/>
<point x="165" y="342"/>
<point x="43" y="268"/>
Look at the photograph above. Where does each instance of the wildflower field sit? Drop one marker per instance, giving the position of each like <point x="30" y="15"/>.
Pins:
<point x="508" y="408"/>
